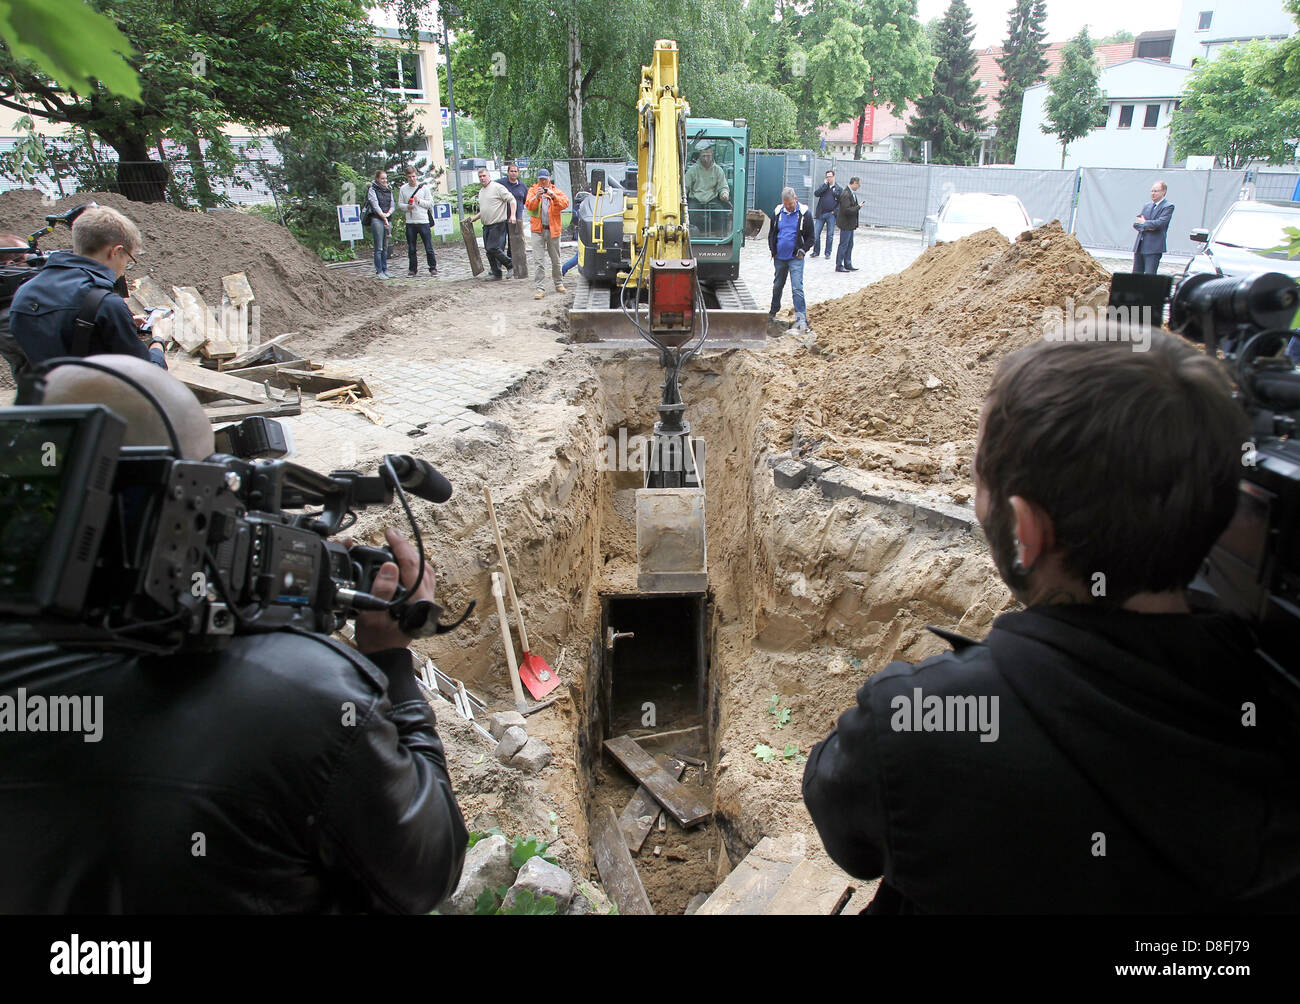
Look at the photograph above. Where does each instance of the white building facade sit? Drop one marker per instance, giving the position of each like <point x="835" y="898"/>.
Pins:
<point x="1142" y="95"/>
<point x="1206" y="27"/>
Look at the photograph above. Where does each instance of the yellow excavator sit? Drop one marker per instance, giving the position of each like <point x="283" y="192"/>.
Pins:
<point x="658" y="289"/>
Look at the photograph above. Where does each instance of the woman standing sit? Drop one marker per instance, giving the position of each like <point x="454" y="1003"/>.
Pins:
<point x="380" y="205"/>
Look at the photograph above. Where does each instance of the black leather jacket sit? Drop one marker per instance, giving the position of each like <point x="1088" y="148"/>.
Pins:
<point x="286" y="774"/>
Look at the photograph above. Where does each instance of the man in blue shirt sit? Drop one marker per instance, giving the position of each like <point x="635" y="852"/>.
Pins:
<point x="789" y="238"/>
<point x="46" y="318"/>
<point x="828" y="203"/>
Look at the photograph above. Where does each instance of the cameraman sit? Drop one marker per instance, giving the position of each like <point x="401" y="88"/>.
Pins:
<point x="69" y="308"/>
<point x="9" y="350"/>
<point x="1104" y="749"/>
<point x="287" y="773"/>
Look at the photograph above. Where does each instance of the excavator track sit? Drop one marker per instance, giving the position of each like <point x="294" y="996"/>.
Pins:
<point x="737" y="318"/>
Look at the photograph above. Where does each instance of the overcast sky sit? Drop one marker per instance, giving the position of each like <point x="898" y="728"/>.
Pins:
<point x="1065" y="18"/>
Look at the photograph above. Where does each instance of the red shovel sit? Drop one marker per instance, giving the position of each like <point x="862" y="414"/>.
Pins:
<point x="536" y="675"/>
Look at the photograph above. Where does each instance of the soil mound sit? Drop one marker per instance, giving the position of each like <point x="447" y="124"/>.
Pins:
<point x="293" y="288"/>
<point x="907" y="360"/>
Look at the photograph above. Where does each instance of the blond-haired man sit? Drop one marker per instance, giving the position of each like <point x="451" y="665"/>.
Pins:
<point x="71" y="308"/>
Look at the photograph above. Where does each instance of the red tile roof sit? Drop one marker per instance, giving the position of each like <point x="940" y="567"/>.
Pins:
<point x="989" y="75"/>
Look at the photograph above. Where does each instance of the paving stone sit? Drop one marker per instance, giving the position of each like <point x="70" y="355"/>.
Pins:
<point x="487" y="866"/>
<point x="790" y="473"/>
<point x="499" y="721"/>
<point x="534" y="756"/>
<point x="542" y="878"/>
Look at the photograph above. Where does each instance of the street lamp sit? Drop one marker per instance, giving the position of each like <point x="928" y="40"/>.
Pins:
<point x="450" y="10"/>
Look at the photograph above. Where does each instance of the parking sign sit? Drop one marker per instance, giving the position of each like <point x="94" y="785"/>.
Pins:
<point x="442" y="218"/>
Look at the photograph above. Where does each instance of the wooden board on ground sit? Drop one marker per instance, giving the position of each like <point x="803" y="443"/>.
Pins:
<point x="213" y="385"/>
<point x="642" y="811"/>
<point x="259" y="353"/>
<point x="471" y="246"/>
<point x="237" y="288"/>
<point x="519" y="249"/>
<point x="684" y="803"/>
<point x="617" y="870"/>
<point x="190" y="315"/>
<point x="312" y="382"/>
<point x="266" y="372"/>
<point x="239" y="412"/>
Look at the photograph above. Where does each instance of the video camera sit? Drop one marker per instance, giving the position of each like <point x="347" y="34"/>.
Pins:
<point x="132" y="547"/>
<point x="13" y="275"/>
<point x="1254" y="568"/>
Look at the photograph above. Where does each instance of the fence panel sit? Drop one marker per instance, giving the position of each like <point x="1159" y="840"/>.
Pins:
<point x="1276" y="184"/>
<point x="1110" y="198"/>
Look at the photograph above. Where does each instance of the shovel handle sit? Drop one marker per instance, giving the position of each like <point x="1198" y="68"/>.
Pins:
<point x="515" y="684"/>
<point x="505" y="567"/>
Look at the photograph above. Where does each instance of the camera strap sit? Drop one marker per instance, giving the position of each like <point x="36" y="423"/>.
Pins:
<point x="84" y="326"/>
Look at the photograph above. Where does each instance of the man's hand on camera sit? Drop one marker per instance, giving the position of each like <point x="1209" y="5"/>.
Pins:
<point x="376" y="630"/>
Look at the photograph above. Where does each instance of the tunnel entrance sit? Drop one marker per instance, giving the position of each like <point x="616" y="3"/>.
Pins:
<point x="654" y="663"/>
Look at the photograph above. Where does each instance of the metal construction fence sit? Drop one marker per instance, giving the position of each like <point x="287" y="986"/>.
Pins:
<point x="1097" y="204"/>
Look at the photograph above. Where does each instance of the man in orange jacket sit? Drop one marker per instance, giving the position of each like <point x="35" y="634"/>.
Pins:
<point x="544" y="203"/>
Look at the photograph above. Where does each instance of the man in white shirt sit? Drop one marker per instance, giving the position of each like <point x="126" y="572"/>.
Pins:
<point x="417" y="200"/>
<point x="496" y="208"/>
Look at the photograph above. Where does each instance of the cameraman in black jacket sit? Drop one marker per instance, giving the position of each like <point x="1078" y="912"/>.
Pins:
<point x="287" y="773"/>
<point x="1105" y="749"/>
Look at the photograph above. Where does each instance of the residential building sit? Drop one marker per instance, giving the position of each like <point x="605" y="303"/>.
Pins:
<point x="1206" y="27"/>
<point x="411" y="74"/>
<point x="885" y="134"/>
<point x="1142" y="95"/>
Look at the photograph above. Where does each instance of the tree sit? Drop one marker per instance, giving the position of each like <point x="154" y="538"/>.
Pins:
<point x="276" y="64"/>
<point x="1281" y="71"/>
<point x="1225" y="112"/>
<point x="1075" y="102"/>
<point x="1117" y="36"/>
<point x="950" y="118"/>
<point x="833" y="58"/>
<point x="70" y="44"/>
<point x="1024" y="64"/>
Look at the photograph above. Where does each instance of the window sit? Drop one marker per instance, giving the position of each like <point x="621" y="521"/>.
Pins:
<point x="1125" y="116"/>
<point x="1204" y="23"/>
<point x="399" y="72"/>
<point x="1152" y="117"/>
<point x="710" y="172"/>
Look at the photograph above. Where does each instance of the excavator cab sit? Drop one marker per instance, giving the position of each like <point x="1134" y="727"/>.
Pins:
<point x="716" y="184"/>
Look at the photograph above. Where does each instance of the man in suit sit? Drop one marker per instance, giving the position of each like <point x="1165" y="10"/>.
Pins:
<point x="1151" y="225"/>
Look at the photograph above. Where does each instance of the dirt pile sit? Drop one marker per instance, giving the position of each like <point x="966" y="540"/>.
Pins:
<point x="906" y="361"/>
<point x="292" y="286"/>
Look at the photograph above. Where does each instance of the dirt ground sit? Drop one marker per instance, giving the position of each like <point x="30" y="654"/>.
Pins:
<point x="807" y="596"/>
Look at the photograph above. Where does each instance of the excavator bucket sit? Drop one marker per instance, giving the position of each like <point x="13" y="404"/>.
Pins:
<point x="671" y="556"/>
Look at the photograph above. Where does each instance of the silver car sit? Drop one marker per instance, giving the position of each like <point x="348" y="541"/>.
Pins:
<point x="965" y="213"/>
<point x="1245" y="241"/>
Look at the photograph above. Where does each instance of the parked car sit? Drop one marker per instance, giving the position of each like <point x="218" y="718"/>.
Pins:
<point x="965" y="213"/>
<point x="1245" y="241"/>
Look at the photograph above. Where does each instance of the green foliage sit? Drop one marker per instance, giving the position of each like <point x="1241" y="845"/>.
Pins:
<point x="764" y="753"/>
<point x="950" y="118"/>
<point x="489" y="901"/>
<point x="1227" y="111"/>
<point x="772" y="117"/>
<point x="1075" y="102"/>
<point x="1024" y="64"/>
<point x="1291" y="246"/>
<point x="1280" y="74"/>
<point x="833" y="58"/>
<point x="782" y="715"/>
<point x="1117" y="36"/>
<point x="285" y="64"/>
<point x="529" y="847"/>
<point x="68" y="42"/>
<point x="791" y="753"/>
<point x="526" y="904"/>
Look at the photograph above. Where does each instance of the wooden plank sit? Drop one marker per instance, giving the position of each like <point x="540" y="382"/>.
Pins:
<point x="239" y="412"/>
<point x="256" y="353"/>
<point x="191" y="328"/>
<point x="617" y="870"/>
<point x="259" y="373"/>
<point x="642" y="811"/>
<point x="313" y="383"/>
<point x="215" y="384"/>
<point x="237" y="288"/>
<point x="684" y="804"/>
<point x="471" y="246"/>
<point x="519" y="249"/>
